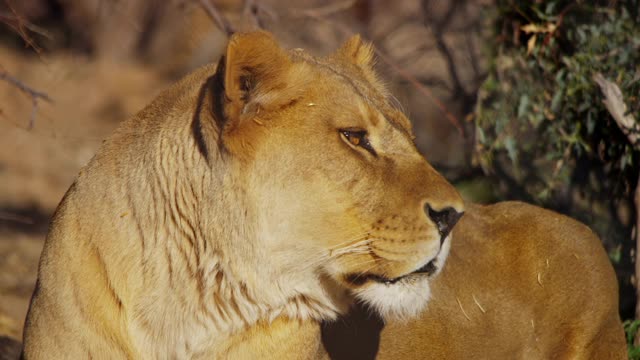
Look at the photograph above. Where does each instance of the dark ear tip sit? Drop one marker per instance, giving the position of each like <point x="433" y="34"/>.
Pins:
<point x="220" y="70"/>
<point x="215" y="84"/>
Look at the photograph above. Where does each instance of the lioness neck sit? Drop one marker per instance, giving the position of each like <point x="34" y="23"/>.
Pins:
<point x="175" y="292"/>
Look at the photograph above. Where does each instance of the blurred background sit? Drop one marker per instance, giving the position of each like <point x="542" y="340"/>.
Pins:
<point x="535" y="100"/>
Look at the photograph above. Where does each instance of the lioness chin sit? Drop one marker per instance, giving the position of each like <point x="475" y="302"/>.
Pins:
<point x="249" y="203"/>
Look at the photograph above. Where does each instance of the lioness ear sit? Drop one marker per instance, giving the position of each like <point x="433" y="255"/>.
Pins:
<point x="253" y="66"/>
<point x="361" y="54"/>
<point x="358" y="52"/>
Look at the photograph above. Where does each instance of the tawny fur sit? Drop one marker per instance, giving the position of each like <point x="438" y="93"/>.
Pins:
<point x="212" y="212"/>
<point x="230" y="217"/>
<point x="520" y="283"/>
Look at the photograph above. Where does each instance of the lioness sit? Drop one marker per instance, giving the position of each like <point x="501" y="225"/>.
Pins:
<point x="254" y="200"/>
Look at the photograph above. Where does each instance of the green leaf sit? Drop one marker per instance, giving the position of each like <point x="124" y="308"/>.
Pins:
<point x="616" y="254"/>
<point x="512" y="151"/>
<point x="523" y="105"/>
<point x="481" y="137"/>
<point x="591" y="123"/>
<point x="556" y="101"/>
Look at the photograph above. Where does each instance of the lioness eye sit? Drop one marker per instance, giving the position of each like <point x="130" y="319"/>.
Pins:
<point x="358" y="138"/>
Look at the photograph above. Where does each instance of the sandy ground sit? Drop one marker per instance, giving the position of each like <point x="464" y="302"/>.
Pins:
<point x="38" y="165"/>
<point x="19" y="254"/>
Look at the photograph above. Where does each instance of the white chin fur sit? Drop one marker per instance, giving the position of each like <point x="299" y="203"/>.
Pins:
<point x="406" y="298"/>
<point x="400" y="301"/>
<point x="443" y="254"/>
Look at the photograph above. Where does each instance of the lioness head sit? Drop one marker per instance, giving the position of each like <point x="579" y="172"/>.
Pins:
<point x="336" y="188"/>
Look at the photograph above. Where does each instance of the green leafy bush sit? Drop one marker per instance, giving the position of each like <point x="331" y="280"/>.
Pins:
<point x="541" y="124"/>
<point x="542" y="131"/>
<point x="630" y="329"/>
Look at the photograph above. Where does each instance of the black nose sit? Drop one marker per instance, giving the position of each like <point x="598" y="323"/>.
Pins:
<point x="445" y="219"/>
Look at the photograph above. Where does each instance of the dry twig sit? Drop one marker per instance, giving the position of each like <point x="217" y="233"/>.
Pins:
<point x="21" y="26"/>
<point x="326" y="10"/>
<point x="14" y="22"/>
<point x="614" y="103"/>
<point x="461" y="308"/>
<point x="478" y="303"/>
<point x="423" y="89"/>
<point x="33" y="94"/>
<point x="220" y="21"/>
<point x="16" y="218"/>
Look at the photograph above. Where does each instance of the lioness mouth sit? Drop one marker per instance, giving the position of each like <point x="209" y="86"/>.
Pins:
<point x="429" y="269"/>
<point x="360" y="279"/>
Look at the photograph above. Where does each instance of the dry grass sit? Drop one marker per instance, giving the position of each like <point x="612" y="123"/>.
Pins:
<point x="38" y="165"/>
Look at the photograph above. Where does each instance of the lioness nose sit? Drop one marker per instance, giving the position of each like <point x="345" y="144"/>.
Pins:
<point x="445" y="219"/>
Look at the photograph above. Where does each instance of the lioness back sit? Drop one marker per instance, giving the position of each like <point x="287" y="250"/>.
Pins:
<point x="520" y="282"/>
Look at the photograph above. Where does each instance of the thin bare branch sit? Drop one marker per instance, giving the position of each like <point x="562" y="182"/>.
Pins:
<point x="21" y="26"/>
<point x="33" y="94"/>
<point x="439" y="27"/>
<point x="13" y="20"/>
<point x="326" y="10"/>
<point x="262" y="8"/>
<point x="16" y="218"/>
<point x="250" y="14"/>
<point x="423" y="89"/>
<point x="614" y="102"/>
<point x="220" y="21"/>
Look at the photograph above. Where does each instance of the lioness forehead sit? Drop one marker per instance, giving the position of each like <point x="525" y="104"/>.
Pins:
<point x="372" y="93"/>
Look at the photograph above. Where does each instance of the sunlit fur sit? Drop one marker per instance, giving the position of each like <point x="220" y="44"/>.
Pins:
<point x="404" y="299"/>
<point x="400" y="301"/>
<point x="231" y="203"/>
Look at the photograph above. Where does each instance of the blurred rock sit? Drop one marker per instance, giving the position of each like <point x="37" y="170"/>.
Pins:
<point x="10" y="349"/>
